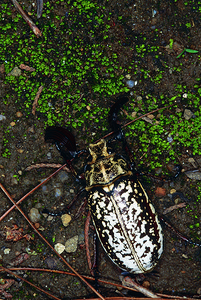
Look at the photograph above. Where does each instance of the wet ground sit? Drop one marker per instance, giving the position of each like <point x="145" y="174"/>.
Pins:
<point x="153" y="24"/>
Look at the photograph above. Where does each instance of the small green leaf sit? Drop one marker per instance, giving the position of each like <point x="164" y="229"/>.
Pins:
<point x="191" y="51"/>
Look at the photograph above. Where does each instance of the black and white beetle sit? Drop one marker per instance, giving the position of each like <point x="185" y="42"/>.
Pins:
<point x="124" y="218"/>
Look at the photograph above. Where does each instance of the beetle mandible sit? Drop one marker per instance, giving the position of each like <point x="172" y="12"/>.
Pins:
<point x="126" y="222"/>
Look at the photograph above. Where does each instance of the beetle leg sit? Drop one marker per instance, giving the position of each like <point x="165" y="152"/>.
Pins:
<point x="116" y="127"/>
<point x="65" y="143"/>
<point x="112" y="117"/>
<point x="181" y="236"/>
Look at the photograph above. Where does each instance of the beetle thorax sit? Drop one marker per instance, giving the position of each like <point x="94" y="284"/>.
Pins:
<point x="104" y="167"/>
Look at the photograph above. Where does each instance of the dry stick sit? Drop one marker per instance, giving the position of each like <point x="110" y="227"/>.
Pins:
<point x="93" y="279"/>
<point x="127" y="281"/>
<point x="171" y="208"/>
<point x="43" y="165"/>
<point x="32" y="25"/>
<point x="86" y="237"/>
<point x="17" y="276"/>
<point x="35" y="103"/>
<point x="69" y="266"/>
<point x="29" y="193"/>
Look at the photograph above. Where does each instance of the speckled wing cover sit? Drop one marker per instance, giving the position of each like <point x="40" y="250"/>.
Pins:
<point x="127" y="225"/>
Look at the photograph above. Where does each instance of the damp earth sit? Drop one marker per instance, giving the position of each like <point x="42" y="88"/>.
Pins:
<point x="147" y="36"/>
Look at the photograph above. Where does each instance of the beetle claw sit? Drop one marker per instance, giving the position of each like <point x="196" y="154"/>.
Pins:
<point x="112" y="117"/>
<point x="64" y="140"/>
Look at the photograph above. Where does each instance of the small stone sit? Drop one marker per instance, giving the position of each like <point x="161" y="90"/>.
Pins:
<point x="134" y="113"/>
<point x="7" y="250"/>
<point x="2" y="117"/>
<point x="19" y="114"/>
<point x="172" y="191"/>
<point x="65" y="219"/>
<point x="192" y="161"/>
<point x="63" y="176"/>
<point x="31" y="129"/>
<point x="146" y="284"/>
<point x="195" y="174"/>
<point x="15" y="72"/>
<point x="72" y="191"/>
<point x="20" y="151"/>
<point x="188" y="114"/>
<point x="128" y="76"/>
<point x="57" y="192"/>
<point x="37" y="225"/>
<point x="71" y="244"/>
<point x="160" y="192"/>
<point x="131" y="83"/>
<point x="12" y="124"/>
<point x="20" y="172"/>
<point x="34" y="215"/>
<point x="169" y="139"/>
<point x="50" y="218"/>
<point x="151" y="116"/>
<point x="49" y="155"/>
<point x="59" y="248"/>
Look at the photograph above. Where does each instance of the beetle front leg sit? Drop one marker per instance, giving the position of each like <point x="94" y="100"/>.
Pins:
<point x="116" y="127"/>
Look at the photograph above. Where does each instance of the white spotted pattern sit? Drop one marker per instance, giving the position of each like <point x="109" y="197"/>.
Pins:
<point x="127" y="224"/>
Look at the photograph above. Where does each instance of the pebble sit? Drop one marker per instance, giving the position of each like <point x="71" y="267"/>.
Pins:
<point x="160" y="192"/>
<point x="12" y="124"/>
<point x="192" y="161"/>
<point x="49" y="155"/>
<point x="34" y="215"/>
<point x="44" y="189"/>
<point x="169" y="139"/>
<point x="2" y="117"/>
<point x="131" y="83"/>
<point x="188" y="114"/>
<point x="15" y="72"/>
<point x="59" y="248"/>
<point x="7" y="250"/>
<point x="57" y="192"/>
<point x="65" y="219"/>
<point x="63" y="176"/>
<point x="71" y="244"/>
<point x="196" y="175"/>
<point x="19" y="114"/>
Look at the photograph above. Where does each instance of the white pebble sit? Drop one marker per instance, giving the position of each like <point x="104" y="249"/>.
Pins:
<point x="59" y="248"/>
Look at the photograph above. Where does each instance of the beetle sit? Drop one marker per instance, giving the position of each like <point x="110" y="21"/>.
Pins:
<point x="125" y="220"/>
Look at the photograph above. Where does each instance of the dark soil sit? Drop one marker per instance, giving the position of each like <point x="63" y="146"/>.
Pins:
<point x="179" y="269"/>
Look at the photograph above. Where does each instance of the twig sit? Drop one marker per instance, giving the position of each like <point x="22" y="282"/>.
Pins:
<point x="43" y="165"/>
<point x="173" y="207"/>
<point x="41" y="236"/>
<point x="32" y="25"/>
<point x="36" y="100"/>
<point x="127" y="281"/>
<point x="21" y="278"/>
<point x="27" y="68"/>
